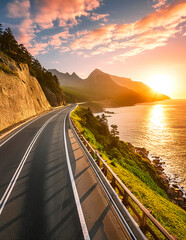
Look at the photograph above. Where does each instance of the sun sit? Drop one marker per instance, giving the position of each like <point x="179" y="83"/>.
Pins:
<point x="161" y="83"/>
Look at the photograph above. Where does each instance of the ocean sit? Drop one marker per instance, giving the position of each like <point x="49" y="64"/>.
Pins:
<point x="160" y="127"/>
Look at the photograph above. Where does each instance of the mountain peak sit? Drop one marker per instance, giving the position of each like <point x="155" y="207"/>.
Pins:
<point x="96" y="72"/>
<point x="68" y="79"/>
<point x="74" y="74"/>
<point x="53" y="70"/>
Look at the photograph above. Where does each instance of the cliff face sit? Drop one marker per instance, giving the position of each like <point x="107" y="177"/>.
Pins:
<point x="20" y="94"/>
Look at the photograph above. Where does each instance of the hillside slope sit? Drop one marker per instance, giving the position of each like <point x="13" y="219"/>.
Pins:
<point x="10" y="48"/>
<point x="66" y="79"/>
<point x="118" y="91"/>
<point x="139" y="87"/>
<point x="101" y="86"/>
<point x="21" y="95"/>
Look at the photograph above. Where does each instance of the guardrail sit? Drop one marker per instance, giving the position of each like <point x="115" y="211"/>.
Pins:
<point x="140" y="214"/>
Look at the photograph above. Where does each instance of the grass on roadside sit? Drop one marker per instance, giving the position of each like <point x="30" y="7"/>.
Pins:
<point x="135" y="172"/>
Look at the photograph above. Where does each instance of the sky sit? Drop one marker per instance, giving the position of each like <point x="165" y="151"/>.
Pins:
<point x="144" y="40"/>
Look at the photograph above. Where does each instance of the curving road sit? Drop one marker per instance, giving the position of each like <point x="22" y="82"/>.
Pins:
<point x="48" y="189"/>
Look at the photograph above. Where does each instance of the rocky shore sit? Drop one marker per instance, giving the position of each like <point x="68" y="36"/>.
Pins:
<point x="173" y="190"/>
<point x="108" y="112"/>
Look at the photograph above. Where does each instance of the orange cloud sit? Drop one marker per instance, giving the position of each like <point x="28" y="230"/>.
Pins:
<point x="159" y="3"/>
<point x="26" y="35"/>
<point x="150" y="32"/>
<point x="18" y="9"/>
<point x="26" y="32"/>
<point x="96" y="17"/>
<point x="81" y="33"/>
<point x="164" y="17"/>
<point x="124" y="30"/>
<point x="57" y="39"/>
<point x="64" y="49"/>
<point x="94" y="38"/>
<point x="64" y="10"/>
<point x="21" y="9"/>
<point x="38" y="48"/>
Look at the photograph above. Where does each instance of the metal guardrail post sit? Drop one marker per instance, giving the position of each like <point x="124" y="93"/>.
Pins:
<point x="98" y="161"/>
<point x="113" y="183"/>
<point x="105" y="170"/>
<point x="125" y="199"/>
<point x="143" y="222"/>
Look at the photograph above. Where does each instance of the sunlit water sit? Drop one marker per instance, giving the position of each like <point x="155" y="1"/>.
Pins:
<point x="160" y="128"/>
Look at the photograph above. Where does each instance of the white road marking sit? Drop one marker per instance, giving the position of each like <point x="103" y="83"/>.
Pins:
<point x="23" y="128"/>
<point x="78" y="204"/>
<point x="18" y="171"/>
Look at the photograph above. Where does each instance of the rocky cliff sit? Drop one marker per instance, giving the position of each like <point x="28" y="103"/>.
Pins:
<point x="20" y="94"/>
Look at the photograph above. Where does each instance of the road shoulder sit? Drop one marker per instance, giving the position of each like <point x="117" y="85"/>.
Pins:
<point x="101" y="220"/>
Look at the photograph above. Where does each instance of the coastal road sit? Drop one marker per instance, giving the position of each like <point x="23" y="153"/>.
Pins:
<point x="48" y="190"/>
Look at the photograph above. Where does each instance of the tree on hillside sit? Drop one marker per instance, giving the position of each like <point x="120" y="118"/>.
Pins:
<point x="103" y="119"/>
<point x="114" y="130"/>
<point x="24" y="55"/>
<point x="20" y="54"/>
<point x="56" y="79"/>
<point x="1" y="34"/>
<point x="8" y="42"/>
<point x="1" y="29"/>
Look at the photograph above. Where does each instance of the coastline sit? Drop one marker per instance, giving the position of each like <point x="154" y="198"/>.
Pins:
<point x="174" y="191"/>
<point x="136" y="172"/>
<point x="171" y="180"/>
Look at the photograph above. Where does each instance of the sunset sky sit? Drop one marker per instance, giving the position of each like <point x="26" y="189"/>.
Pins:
<point x="141" y="39"/>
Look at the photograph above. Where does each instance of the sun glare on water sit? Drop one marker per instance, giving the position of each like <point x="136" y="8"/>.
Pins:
<point x="161" y="83"/>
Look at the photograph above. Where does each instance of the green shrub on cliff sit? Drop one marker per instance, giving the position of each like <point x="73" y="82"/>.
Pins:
<point x="136" y="172"/>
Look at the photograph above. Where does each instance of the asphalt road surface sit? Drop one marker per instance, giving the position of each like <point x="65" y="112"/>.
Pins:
<point x="39" y="198"/>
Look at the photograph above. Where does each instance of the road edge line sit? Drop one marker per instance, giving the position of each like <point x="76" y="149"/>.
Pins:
<point x="74" y="189"/>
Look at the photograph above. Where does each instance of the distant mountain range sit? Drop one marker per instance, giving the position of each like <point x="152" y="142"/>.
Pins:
<point x="98" y="85"/>
<point x="67" y="79"/>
